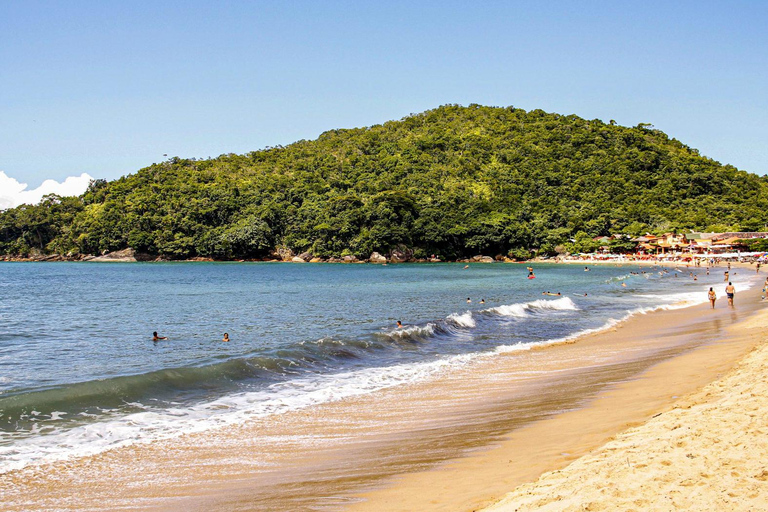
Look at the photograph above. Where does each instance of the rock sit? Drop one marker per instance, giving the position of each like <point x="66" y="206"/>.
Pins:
<point x="400" y="255"/>
<point x="298" y="259"/>
<point x="316" y="260"/>
<point x="377" y="258"/>
<point x="122" y="255"/>
<point x="486" y="259"/>
<point x="349" y="259"/>
<point x="283" y="253"/>
<point x="306" y="256"/>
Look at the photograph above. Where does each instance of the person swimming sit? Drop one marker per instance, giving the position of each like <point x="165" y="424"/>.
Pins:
<point x="155" y="337"/>
<point x="226" y="337"/>
<point x="482" y="301"/>
<point x="469" y="300"/>
<point x="399" y="324"/>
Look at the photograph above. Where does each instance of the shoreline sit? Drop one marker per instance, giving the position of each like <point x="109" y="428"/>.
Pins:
<point x="414" y="416"/>
<point x="522" y="471"/>
<point x="131" y="257"/>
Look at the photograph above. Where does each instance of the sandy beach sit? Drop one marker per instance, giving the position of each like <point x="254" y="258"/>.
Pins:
<point x="708" y="452"/>
<point x="464" y="440"/>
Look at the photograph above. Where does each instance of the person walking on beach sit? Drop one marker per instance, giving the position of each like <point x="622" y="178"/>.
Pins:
<point x="712" y="296"/>
<point x="729" y="292"/>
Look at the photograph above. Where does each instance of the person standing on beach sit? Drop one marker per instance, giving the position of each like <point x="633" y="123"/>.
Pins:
<point x="729" y="292"/>
<point x="712" y="296"/>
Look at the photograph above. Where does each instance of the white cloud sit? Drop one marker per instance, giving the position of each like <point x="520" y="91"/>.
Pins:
<point x="13" y="193"/>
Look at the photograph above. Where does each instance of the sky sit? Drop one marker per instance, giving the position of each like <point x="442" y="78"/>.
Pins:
<point x="106" y="87"/>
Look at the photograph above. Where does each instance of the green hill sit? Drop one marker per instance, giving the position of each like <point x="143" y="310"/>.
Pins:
<point x="454" y="181"/>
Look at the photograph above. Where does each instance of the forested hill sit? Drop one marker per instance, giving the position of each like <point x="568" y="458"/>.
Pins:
<point x="454" y="181"/>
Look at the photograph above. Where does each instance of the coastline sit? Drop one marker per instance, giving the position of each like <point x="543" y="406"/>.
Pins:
<point x="546" y="465"/>
<point x="400" y="431"/>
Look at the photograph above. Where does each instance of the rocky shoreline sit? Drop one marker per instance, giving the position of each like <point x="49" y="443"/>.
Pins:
<point x="279" y="255"/>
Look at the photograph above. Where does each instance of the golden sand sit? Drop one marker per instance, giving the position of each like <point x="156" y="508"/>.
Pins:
<point x="709" y="452"/>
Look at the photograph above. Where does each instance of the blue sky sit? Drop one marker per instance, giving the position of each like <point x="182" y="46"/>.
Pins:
<point x="109" y="87"/>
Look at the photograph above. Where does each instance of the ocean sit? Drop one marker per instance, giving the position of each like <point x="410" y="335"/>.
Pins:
<point x="80" y="373"/>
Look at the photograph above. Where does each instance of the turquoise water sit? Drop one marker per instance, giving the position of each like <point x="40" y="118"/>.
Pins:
<point x="79" y="372"/>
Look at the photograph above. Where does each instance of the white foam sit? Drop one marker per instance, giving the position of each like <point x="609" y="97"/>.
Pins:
<point x="412" y="331"/>
<point x="522" y="309"/>
<point x="462" y="320"/>
<point x="147" y="426"/>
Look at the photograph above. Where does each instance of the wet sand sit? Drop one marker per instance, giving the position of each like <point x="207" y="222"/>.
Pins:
<point x="457" y="442"/>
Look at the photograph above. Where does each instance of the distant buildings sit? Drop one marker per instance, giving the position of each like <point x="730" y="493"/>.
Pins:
<point x="695" y="243"/>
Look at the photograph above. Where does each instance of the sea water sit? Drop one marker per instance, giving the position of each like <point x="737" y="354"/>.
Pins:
<point x="79" y="372"/>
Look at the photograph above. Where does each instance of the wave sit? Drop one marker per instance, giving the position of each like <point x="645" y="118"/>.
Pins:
<point x="142" y="424"/>
<point x="616" y="279"/>
<point x="147" y="425"/>
<point x="72" y="402"/>
<point x="541" y="305"/>
<point x="462" y="320"/>
<point x="455" y="323"/>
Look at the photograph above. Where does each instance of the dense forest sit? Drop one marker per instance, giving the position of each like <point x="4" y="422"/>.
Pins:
<point x="454" y="182"/>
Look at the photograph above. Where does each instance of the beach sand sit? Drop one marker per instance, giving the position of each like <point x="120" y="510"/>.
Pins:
<point x="460" y="441"/>
<point x="709" y="452"/>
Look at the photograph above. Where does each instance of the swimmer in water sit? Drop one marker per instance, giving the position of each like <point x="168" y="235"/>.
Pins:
<point x="482" y="301"/>
<point x="469" y="300"/>
<point x="399" y="324"/>
<point x="155" y="337"/>
<point x="226" y="337"/>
